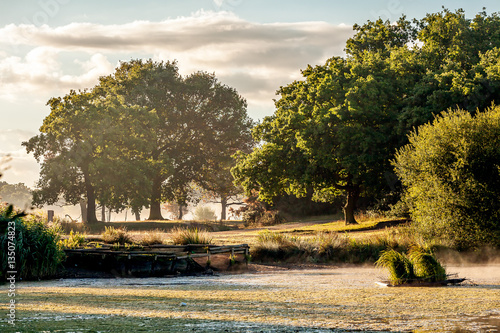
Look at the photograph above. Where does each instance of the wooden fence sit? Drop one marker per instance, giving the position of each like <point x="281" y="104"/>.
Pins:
<point x="163" y="251"/>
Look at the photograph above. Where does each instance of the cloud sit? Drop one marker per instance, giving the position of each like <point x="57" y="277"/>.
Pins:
<point x="250" y="56"/>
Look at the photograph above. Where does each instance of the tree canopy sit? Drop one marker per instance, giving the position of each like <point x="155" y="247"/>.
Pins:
<point x="335" y="131"/>
<point x="138" y="138"/>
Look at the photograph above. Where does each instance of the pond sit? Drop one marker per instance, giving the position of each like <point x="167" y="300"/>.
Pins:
<point x="333" y="299"/>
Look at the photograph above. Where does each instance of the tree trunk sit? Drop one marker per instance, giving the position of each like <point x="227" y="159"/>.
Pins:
<point x="91" y="216"/>
<point x="350" y="206"/>
<point x="155" y="207"/>
<point x="103" y="213"/>
<point x="181" y="213"/>
<point x="83" y="208"/>
<point x="137" y="216"/>
<point x="223" y="202"/>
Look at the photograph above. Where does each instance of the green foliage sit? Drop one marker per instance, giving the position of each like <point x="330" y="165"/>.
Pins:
<point x="203" y="213"/>
<point x="139" y="138"/>
<point x="74" y="240"/>
<point x="451" y="173"/>
<point x="37" y="253"/>
<point x="186" y="236"/>
<point x="116" y="236"/>
<point x="335" y="131"/>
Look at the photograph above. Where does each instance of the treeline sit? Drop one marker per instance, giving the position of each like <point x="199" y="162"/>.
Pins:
<point x="143" y="136"/>
<point x="335" y="132"/>
<point x="18" y="194"/>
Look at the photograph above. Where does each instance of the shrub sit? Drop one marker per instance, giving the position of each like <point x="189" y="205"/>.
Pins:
<point x="452" y="179"/>
<point x="185" y="236"/>
<point x="74" y="240"/>
<point x="112" y="235"/>
<point x="37" y="252"/>
<point x="258" y="213"/>
<point x="203" y="213"/>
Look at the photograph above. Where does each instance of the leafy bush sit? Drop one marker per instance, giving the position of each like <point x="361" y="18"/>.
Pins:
<point x="451" y="173"/>
<point x="37" y="252"/>
<point x="74" y="240"/>
<point x="185" y="236"/>
<point x="112" y="235"/>
<point x="203" y="213"/>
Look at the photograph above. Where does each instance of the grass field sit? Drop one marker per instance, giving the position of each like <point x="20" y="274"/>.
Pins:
<point x="234" y="232"/>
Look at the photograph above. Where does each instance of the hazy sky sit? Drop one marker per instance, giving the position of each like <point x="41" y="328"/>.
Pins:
<point x="48" y="47"/>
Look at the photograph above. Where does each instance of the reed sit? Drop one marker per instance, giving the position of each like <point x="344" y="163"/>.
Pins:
<point x="185" y="236"/>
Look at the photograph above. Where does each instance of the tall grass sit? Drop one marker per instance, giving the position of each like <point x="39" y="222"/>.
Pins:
<point x="37" y="253"/>
<point x="152" y="237"/>
<point x="419" y="265"/>
<point x="322" y="247"/>
<point x="185" y="236"/>
<point x="426" y="266"/>
<point x="399" y="266"/>
<point x="328" y="246"/>
<point x="112" y="235"/>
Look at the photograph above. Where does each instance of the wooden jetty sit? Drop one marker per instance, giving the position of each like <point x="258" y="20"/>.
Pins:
<point x="153" y="260"/>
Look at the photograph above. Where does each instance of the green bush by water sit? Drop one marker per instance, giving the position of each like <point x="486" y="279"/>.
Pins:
<point x="37" y="252"/>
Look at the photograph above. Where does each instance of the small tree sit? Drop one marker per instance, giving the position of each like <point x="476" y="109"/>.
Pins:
<point x="451" y="171"/>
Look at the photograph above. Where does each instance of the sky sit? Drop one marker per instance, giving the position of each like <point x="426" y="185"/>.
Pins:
<point x="48" y="47"/>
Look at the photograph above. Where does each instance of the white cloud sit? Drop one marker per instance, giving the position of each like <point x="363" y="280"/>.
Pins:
<point x="217" y="42"/>
<point x="39" y="62"/>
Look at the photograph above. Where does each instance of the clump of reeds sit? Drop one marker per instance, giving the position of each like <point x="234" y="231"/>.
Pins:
<point x="152" y="237"/>
<point x="426" y="266"/>
<point x="185" y="236"/>
<point x="399" y="266"/>
<point x="112" y="235"/>
<point x="420" y="265"/>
